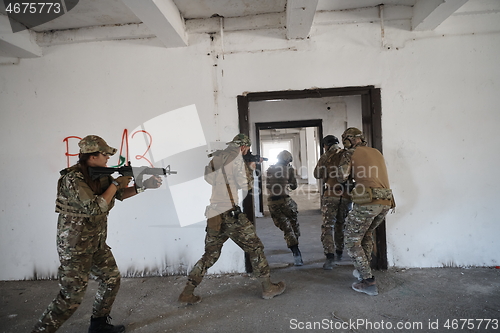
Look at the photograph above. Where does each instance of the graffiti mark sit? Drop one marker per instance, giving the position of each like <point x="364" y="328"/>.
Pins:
<point x="143" y="156"/>
<point x="123" y="160"/>
<point x="68" y="155"/>
<point x="123" y="155"/>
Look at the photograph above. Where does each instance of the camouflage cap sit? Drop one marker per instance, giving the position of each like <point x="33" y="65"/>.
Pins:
<point x="94" y="143"/>
<point x="241" y="140"/>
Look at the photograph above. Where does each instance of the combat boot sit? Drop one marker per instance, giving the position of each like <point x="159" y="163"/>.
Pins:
<point x="102" y="325"/>
<point x="339" y="254"/>
<point x="367" y="286"/>
<point x="187" y="295"/>
<point x="269" y="289"/>
<point x="297" y="256"/>
<point x="329" y="262"/>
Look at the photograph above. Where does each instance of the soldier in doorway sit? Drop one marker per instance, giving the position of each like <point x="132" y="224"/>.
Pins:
<point x="372" y="198"/>
<point x="283" y="209"/>
<point x="335" y="202"/>
<point x="227" y="172"/>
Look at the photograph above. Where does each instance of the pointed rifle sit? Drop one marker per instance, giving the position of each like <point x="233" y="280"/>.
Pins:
<point x="128" y="170"/>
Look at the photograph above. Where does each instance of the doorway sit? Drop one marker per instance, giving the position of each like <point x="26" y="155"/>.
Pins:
<point x="371" y="123"/>
<point x="301" y="138"/>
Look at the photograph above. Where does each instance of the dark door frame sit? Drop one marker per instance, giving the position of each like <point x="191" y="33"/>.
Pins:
<point x="371" y="107"/>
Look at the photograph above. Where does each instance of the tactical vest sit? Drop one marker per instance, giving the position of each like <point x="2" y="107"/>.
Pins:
<point x="277" y="180"/>
<point x="67" y="206"/>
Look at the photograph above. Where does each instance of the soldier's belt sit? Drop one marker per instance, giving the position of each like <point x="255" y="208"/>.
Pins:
<point x="277" y="197"/>
<point x="68" y="210"/>
<point x="369" y="194"/>
<point x="382" y="193"/>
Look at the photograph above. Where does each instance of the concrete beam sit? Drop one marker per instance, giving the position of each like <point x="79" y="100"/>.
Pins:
<point x="21" y="44"/>
<point x="163" y="18"/>
<point x="299" y="17"/>
<point x="250" y="22"/>
<point x="95" y="34"/>
<point x="428" y="14"/>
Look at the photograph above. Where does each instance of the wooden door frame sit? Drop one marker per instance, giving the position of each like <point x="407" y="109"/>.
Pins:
<point x="371" y="108"/>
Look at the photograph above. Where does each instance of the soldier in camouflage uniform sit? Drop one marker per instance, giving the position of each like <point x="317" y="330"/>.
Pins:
<point x="280" y="178"/>
<point x="83" y="205"/>
<point x="227" y="172"/>
<point x="372" y="199"/>
<point x="335" y="202"/>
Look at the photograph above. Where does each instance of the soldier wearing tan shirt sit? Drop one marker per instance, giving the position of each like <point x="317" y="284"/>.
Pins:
<point x="372" y="198"/>
<point x="227" y="172"/>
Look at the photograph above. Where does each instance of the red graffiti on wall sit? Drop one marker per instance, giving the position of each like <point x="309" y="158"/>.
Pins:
<point x="138" y="157"/>
<point x="123" y="156"/>
<point x="68" y="155"/>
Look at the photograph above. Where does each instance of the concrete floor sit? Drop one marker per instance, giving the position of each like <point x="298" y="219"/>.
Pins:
<point x="409" y="300"/>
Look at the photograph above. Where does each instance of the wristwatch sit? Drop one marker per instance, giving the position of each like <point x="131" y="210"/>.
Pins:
<point x="139" y="189"/>
<point x="114" y="182"/>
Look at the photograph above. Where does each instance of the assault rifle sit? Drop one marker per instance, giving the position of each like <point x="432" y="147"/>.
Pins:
<point x="249" y="157"/>
<point x="136" y="172"/>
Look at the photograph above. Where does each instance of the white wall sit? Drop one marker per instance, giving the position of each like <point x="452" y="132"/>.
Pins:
<point x="439" y="117"/>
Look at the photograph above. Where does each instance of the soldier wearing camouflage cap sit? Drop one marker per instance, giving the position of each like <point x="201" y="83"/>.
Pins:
<point x="372" y="198"/>
<point x="335" y="202"/>
<point x="94" y="143"/>
<point x="283" y="209"/>
<point x="241" y="140"/>
<point x="83" y="205"/>
<point x="227" y="172"/>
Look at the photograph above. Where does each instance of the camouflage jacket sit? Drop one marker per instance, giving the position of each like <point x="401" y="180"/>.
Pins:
<point x="279" y="178"/>
<point x="76" y="198"/>
<point x="327" y="170"/>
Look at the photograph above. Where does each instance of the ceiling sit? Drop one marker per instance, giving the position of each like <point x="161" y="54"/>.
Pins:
<point x="171" y="21"/>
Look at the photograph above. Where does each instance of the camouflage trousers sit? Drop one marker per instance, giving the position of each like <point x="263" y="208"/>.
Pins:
<point x="359" y="227"/>
<point x="82" y="252"/>
<point x="284" y="213"/>
<point x="243" y="233"/>
<point x="334" y="211"/>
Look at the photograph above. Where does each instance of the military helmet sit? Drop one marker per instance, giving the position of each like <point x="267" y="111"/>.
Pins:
<point x="285" y="156"/>
<point x="241" y="140"/>
<point x="330" y="140"/>
<point x="93" y="144"/>
<point x="349" y="134"/>
<point x="354" y="132"/>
